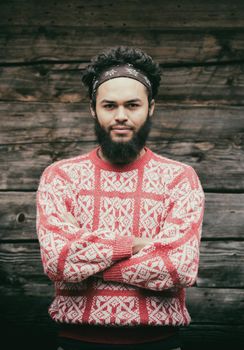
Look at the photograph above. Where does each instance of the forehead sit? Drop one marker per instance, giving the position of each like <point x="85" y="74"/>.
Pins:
<point x="121" y="88"/>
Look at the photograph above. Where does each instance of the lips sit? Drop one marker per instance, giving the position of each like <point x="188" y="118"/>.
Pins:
<point x="120" y="128"/>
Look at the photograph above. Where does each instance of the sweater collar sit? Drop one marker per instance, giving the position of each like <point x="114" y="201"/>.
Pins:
<point x="139" y="162"/>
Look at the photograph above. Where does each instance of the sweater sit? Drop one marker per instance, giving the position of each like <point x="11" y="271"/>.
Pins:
<point x="88" y="211"/>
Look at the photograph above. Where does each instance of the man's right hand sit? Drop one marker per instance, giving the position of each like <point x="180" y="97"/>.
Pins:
<point x="140" y="243"/>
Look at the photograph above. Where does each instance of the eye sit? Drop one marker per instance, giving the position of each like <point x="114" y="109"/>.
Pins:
<point x="133" y="105"/>
<point x="108" y="106"/>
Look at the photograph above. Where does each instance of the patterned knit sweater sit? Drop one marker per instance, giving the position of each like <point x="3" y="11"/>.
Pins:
<point x="87" y="214"/>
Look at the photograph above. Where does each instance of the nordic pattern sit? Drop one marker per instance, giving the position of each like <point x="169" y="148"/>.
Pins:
<point x="122" y="182"/>
<point x="87" y="215"/>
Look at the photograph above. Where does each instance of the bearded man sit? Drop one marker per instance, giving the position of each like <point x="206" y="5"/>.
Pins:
<point x="120" y="226"/>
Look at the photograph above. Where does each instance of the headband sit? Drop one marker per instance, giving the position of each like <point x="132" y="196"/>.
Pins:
<point x="126" y="70"/>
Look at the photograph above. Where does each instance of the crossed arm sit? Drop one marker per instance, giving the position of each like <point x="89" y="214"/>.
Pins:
<point x="72" y="255"/>
<point x="138" y="243"/>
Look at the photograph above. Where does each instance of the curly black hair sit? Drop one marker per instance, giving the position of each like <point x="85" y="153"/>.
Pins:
<point x="121" y="55"/>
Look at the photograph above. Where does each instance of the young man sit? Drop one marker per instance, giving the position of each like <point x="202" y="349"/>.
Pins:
<point x="120" y="227"/>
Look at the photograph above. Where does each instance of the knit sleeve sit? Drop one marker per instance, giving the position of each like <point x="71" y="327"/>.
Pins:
<point x="69" y="253"/>
<point x="173" y="259"/>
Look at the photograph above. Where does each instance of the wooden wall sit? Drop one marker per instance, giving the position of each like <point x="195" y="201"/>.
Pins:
<point x="44" y="45"/>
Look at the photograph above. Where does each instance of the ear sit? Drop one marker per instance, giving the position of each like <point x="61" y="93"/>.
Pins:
<point x="93" y="113"/>
<point x="151" y="107"/>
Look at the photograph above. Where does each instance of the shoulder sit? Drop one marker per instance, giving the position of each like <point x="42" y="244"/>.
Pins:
<point x="174" y="170"/>
<point x="164" y="163"/>
<point x="65" y="166"/>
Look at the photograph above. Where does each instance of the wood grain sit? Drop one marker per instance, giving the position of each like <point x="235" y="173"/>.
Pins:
<point x="61" y="82"/>
<point x="32" y="44"/>
<point x="153" y="14"/>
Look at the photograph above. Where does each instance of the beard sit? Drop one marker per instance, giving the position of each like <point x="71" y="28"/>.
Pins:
<point x="121" y="153"/>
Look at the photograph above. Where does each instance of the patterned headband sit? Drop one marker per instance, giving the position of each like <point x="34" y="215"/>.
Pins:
<point x="127" y="71"/>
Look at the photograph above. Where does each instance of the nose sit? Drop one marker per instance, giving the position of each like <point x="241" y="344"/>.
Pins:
<point x="121" y="115"/>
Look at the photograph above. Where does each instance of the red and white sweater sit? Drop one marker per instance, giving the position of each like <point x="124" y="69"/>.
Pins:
<point x="87" y="213"/>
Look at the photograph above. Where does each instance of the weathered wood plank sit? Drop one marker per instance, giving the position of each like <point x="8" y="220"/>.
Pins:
<point x="153" y="14"/>
<point x="223" y="216"/>
<point x="42" y="43"/>
<point x="221" y="265"/>
<point x="70" y="122"/>
<point x="219" y="164"/>
<point x="210" y="304"/>
<point x="55" y="82"/>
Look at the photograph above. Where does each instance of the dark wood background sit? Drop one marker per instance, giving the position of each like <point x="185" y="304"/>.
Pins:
<point x="44" y="116"/>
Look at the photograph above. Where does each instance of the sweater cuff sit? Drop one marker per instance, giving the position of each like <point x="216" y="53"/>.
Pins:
<point x="122" y="248"/>
<point x="113" y="274"/>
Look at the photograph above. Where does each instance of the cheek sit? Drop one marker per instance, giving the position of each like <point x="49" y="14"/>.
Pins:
<point x="104" y="120"/>
<point x="140" y="117"/>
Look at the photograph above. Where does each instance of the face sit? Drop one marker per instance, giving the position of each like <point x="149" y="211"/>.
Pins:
<point x="122" y="118"/>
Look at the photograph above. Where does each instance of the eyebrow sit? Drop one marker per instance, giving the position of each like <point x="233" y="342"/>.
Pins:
<point x="129" y="101"/>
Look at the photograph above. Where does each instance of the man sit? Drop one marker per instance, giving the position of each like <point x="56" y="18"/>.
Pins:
<point x="120" y="227"/>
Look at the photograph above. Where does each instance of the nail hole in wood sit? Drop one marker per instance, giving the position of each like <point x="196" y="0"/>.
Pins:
<point x="20" y="217"/>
